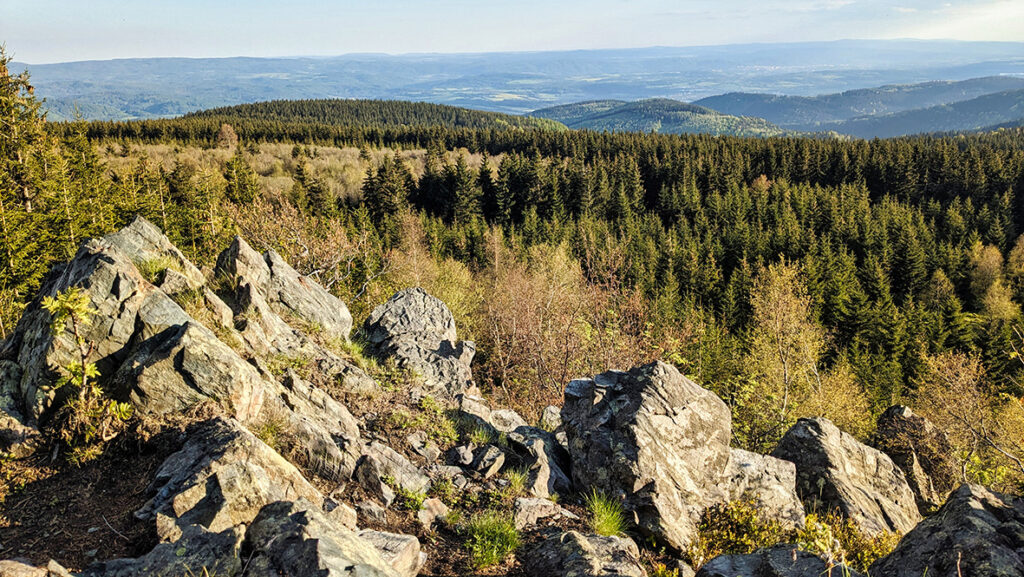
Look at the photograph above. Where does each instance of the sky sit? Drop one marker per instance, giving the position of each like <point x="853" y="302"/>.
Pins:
<point x="43" y="31"/>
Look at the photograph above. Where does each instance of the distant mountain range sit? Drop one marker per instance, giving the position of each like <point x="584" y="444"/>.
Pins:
<point x="514" y="82"/>
<point x="811" y="112"/>
<point x="656" y="115"/>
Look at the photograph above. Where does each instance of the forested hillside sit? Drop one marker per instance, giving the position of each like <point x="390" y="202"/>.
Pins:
<point x="791" y="276"/>
<point x="809" y="112"/>
<point x="372" y="113"/>
<point x="659" y="115"/>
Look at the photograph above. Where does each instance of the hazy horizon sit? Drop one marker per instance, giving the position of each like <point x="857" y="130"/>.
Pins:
<point x="57" y="31"/>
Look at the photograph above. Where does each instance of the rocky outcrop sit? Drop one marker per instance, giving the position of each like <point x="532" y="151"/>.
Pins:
<point x="545" y="461"/>
<point x="574" y="554"/>
<point x="778" y="561"/>
<point x="283" y="288"/>
<point x="767" y="482"/>
<point x="289" y="538"/>
<point x="212" y="553"/>
<point x="976" y="533"/>
<point x="221" y="478"/>
<point x="148" y="248"/>
<point x="835" y="472"/>
<point x="653" y="438"/>
<point x="922" y="451"/>
<point x="418" y="331"/>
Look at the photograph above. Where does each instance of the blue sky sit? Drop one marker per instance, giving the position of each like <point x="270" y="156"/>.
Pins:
<point x="38" y="31"/>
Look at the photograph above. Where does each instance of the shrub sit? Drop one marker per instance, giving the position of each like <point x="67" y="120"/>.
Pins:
<point x="732" y="528"/>
<point x="838" y="540"/>
<point x="88" y="418"/>
<point x="491" y="538"/>
<point x="606" y="515"/>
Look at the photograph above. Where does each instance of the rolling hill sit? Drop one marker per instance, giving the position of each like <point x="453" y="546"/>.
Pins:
<point x="366" y="113"/>
<point x="1003" y="108"/>
<point x="656" y="115"/>
<point x="511" y="82"/>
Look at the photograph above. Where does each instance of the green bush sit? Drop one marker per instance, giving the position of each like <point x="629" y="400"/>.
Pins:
<point x="733" y="528"/>
<point x="838" y="540"/>
<point x="491" y="538"/>
<point x="606" y="515"/>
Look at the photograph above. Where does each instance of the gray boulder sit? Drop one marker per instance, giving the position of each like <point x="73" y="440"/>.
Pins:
<point x="574" y="554"/>
<point x="545" y="460"/>
<point x="284" y="288"/>
<point x="922" y="452"/>
<point x="487" y="461"/>
<point x="976" y="533"/>
<point x="653" y="438"/>
<point x="777" y="561"/>
<point x="401" y="552"/>
<point x="295" y="538"/>
<point x="835" y="472"/>
<point x="186" y="364"/>
<point x="148" y="248"/>
<point x="418" y="331"/>
<point x="394" y="465"/>
<point x="767" y="482"/>
<point x="527" y="511"/>
<point x="221" y="478"/>
<point x="196" y="550"/>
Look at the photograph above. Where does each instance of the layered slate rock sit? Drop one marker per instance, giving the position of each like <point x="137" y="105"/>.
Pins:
<point x="767" y="482"/>
<point x="187" y="364"/>
<point x="147" y="247"/>
<point x="285" y="288"/>
<point x="653" y="438"/>
<point x="574" y="554"/>
<point x="777" y="561"/>
<point x="212" y="553"/>
<point x="976" y="533"/>
<point x="295" y="538"/>
<point x="835" y="472"/>
<point x="418" y="331"/>
<point x="221" y="478"/>
<point x="545" y="461"/>
<point x="922" y="451"/>
<point x="124" y="305"/>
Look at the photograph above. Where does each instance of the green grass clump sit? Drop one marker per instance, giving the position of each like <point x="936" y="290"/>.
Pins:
<point x="279" y="364"/>
<point x="154" y="269"/>
<point x="491" y="538"/>
<point x="517" y="479"/>
<point x="606" y="515"/>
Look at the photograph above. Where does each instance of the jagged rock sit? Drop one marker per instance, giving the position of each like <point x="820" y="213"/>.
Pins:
<point x="16" y="438"/>
<point x="545" y="460"/>
<point x="124" y="304"/>
<point x="487" y="461"/>
<point x="187" y="364"/>
<point x="372" y="512"/>
<point x="342" y="514"/>
<point x="654" y="438"/>
<point x="421" y="444"/>
<point x="370" y="475"/>
<point x="432" y="511"/>
<point x="837" y="472"/>
<point x="289" y="538"/>
<point x="573" y="554"/>
<point x="148" y="248"/>
<point x="767" y="482"/>
<point x="777" y="561"/>
<point x="529" y="510"/>
<point x="507" y="420"/>
<point x="285" y="288"/>
<point x="461" y="455"/>
<point x="196" y="550"/>
<point x="392" y="464"/>
<point x="977" y="533"/>
<point x="221" y="478"/>
<point x="418" y="331"/>
<point x="922" y="451"/>
<point x="401" y="552"/>
<point x="551" y="418"/>
<point x="19" y="568"/>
